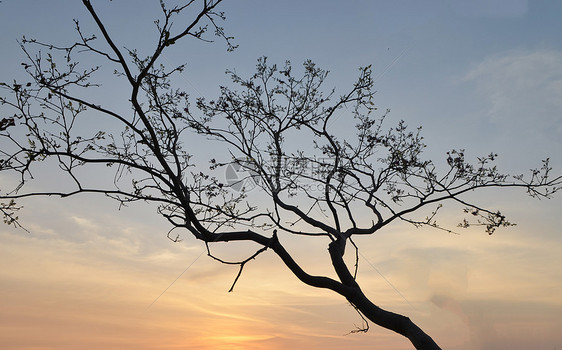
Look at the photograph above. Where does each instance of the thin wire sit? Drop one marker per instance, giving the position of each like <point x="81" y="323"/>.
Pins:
<point x="193" y="262"/>
<point x="389" y="66"/>
<point x="182" y="77"/>
<point x="385" y="70"/>
<point x="380" y="273"/>
<point x="177" y="278"/>
<point x="387" y="281"/>
<point x="381" y="74"/>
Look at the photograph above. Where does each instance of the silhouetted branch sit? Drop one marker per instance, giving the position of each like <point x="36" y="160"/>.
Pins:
<point x="293" y="170"/>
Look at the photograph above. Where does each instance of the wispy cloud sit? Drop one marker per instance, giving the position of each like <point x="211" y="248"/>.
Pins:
<point x="523" y="90"/>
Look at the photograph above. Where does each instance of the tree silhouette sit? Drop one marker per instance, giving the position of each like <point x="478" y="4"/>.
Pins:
<point x="290" y="172"/>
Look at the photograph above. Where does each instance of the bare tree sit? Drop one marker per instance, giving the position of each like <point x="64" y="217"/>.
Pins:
<point x="292" y="173"/>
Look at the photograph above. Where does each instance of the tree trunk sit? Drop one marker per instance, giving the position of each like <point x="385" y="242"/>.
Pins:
<point x="395" y="322"/>
<point x="389" y="320"/>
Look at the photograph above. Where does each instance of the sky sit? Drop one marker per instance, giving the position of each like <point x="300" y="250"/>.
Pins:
<point x="480" y="75"/>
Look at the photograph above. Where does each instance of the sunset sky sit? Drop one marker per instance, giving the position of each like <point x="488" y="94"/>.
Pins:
<point x="481" y="75"/>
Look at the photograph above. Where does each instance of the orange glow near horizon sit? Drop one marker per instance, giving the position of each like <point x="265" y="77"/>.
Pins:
<point x="485" y="76"/>
<point x="58" y="294"/>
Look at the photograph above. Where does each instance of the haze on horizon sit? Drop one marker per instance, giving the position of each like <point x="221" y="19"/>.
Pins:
<point x="484" y="75"/>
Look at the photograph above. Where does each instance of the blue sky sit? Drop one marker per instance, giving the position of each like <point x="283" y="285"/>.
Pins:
<point x="480" y="75"/>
